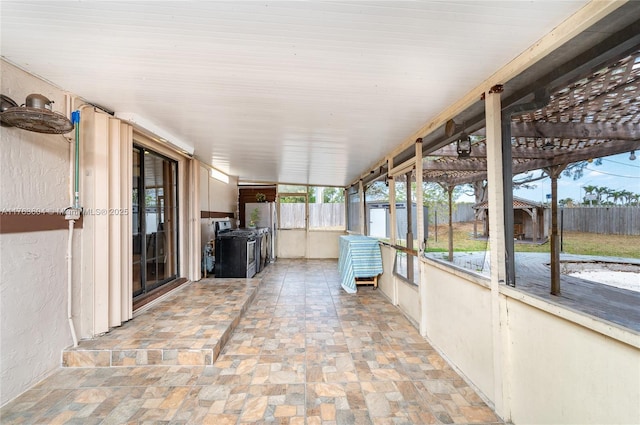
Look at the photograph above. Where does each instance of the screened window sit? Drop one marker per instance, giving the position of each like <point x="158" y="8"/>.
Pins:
<point x="293" y="211"/>
<point x="353" y="207"/>
<point x="326" y="208"/>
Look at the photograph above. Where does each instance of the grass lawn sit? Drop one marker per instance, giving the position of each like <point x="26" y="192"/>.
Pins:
<point x="573" y="242"/>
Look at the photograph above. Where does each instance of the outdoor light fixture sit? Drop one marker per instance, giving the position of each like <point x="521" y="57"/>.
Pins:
<point x="463" y="145"/>
<point x="632" y="157"/>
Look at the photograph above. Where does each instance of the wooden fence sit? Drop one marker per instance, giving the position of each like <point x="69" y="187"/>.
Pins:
<point x="599" y="219"/>
<point x="321" y="216"/>
<point x="604" y="220"/>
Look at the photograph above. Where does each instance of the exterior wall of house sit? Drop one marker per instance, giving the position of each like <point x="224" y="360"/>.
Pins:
<point x="217" y="198"/>
<point x="34" y="170"/>
<point x="223" y="197"/>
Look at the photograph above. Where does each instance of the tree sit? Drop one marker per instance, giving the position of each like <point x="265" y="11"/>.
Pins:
<point x="600" y="192"/>
<point x="576" y="170"/>
<point x="566" y="202"/>
<point x="333" y="195"/>
<point x="589" y="190"/>
<point x="377" y="191"/>
<point x="625" y="196"/>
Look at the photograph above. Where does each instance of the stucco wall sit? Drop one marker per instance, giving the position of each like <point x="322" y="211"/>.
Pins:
<point x="401" y="293"/>
<point x="34" y="170"/>
<point x="459" y="322"/>
<point x="204" y="188"/>
<point x="386" y="281"/>
<point x="291" y="244"/>
<point x="215" y="195"/>
<point x="563" y="373"/>
<point x="223" y="197"/>
<point x="324" y="244"/>
<point x="558" y="366"/>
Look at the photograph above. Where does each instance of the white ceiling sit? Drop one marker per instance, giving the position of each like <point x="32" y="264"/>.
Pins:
<point x="295" y="92"/>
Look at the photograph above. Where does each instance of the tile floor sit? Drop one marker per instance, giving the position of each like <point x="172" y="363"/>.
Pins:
<point x="304" y="352"/>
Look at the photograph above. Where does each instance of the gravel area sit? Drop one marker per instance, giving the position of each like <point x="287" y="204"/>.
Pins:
<point x="624" y="280"/>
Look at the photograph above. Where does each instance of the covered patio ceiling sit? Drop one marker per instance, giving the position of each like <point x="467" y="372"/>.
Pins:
<point x="291" y="92"/>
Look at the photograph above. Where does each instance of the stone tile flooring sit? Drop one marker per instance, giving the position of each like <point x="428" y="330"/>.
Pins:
<point x="304" y="352"/>
<point x="188" y="327"/>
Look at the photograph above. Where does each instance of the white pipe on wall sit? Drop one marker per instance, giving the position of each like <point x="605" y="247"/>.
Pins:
<point x="69" y="101"/>
<point x="70" y="283"/>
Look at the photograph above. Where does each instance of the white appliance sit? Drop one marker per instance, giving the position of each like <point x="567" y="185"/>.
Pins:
<point x="268" y="218"/>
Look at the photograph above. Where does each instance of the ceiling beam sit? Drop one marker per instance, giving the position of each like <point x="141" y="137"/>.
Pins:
<point x="525" y="152"/>
<point x="575" y="130"/>
<point x="479" y="164"/>
<point x="604" y="149"/>
<point x="555" y="158"/>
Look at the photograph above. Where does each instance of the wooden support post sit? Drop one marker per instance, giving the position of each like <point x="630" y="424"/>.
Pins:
<point x="554" y="173"/>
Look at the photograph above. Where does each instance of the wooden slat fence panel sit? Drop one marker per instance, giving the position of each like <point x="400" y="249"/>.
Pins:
<point x="326" y="216"/>
<point x="320" y="216"/>
<point x="613" y="220"/>
<point x="610" y="220"/>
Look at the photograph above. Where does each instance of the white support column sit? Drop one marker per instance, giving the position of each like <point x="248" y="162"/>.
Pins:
<point x="420" y="236"/>
<point x="116" y="261"/>
<point x="193" y="239"/>
<point x="361" y="207"/>
<point x="392" y="205"/>
<point x="126" y="201"/>
<point x="94" y="275"/>
<point x="496" y="243"/>
<point x="392" y="226"/>
<point x="419" y="198"/>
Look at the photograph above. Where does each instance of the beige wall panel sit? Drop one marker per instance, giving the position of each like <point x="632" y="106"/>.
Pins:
<point x="324" y="244"/>
<point x="408" y="299"/>
<point x="223" y="197"/>
<point x="564" y="373"/>
<point x="291" y="243"/>
<point x="459" y="322"/>
<point x="204" y="188"/>
<point x="386" y="282"/>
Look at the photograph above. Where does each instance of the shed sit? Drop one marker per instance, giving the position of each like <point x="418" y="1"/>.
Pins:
<point x="529" y="220"/>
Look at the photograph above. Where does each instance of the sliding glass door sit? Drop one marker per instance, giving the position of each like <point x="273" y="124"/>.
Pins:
<point x="155" y="221"/>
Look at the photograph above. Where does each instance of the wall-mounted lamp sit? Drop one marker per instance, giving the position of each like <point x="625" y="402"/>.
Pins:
<point x="463" y="145"/>
<point x="632" y="157"/>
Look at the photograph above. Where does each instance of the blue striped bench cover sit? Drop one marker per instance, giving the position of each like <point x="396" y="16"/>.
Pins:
<point x="359" y="257"/>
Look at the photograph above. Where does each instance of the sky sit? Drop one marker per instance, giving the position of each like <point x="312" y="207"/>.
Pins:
<point x="617" y="172"/>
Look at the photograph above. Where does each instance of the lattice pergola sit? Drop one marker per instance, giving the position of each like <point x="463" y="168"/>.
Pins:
<point x="596" y="116"/>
